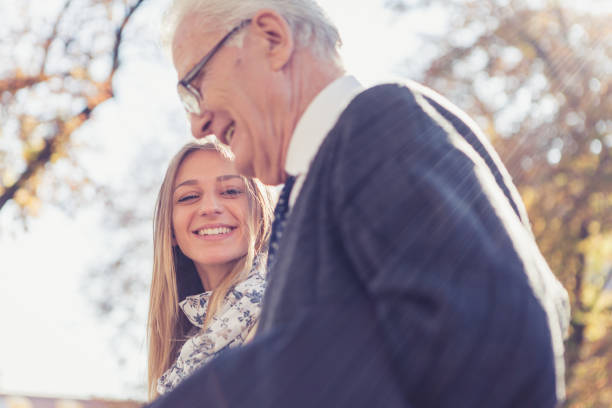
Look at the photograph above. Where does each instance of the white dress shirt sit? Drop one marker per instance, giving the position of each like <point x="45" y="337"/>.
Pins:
<point x="316" y="122"/>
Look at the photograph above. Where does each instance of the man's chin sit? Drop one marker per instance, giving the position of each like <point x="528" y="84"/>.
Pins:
<point x="244" y="167"/>
<point x="271" y="181"/>
<point x="269" y="178"/>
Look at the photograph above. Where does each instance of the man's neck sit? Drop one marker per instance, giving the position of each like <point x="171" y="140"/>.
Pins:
<point x="308" y="76"/>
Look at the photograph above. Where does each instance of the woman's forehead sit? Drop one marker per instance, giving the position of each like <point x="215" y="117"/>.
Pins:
<point x="206" y="164"/>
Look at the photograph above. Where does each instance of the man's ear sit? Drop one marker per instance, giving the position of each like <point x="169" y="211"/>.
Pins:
<point x="275" y="31"/>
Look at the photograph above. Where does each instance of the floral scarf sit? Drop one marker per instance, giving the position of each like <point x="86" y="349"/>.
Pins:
<point x="227" y="329"/>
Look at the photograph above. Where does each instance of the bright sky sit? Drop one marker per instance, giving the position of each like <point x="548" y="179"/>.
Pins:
<point x="51" y="341"/>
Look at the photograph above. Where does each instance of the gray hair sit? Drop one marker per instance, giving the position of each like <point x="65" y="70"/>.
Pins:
<point x="308" y="22"/>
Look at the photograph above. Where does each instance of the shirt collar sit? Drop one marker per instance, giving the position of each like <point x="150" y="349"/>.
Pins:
<point x="317" y="120"/>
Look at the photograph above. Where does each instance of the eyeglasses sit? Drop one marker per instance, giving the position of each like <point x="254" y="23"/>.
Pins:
<point x="190" y="96"/>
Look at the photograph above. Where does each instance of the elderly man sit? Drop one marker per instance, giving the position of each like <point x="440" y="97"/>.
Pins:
<point x="406" y="274"/>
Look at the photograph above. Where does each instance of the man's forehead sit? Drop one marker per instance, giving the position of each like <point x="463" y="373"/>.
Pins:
<point x="192" y="38"/>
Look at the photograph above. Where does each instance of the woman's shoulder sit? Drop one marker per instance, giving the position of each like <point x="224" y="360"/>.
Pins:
<point x="252" y="286"/>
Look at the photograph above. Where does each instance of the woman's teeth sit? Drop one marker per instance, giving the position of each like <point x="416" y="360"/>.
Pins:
<point x="214" y="231"/>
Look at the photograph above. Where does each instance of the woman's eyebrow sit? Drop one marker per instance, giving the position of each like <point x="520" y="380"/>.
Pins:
<point x="189" y="182"/>
<point x="226" y="177"/>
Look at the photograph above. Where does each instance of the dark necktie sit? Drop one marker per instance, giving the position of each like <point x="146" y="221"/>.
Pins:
<point x="280" y="217"/>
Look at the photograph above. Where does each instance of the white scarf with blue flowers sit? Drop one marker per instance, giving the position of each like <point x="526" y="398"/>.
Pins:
<point x="229" y="327"/>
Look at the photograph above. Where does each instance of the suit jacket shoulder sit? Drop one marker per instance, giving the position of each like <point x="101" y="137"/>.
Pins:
<point x="414" y="189"/>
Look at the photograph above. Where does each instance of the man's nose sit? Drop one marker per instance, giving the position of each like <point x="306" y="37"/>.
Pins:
<point x="201" y="125"/>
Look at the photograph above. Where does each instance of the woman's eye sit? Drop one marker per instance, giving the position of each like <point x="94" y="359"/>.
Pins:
<point x="187" y="198"/>
<point x="231" y="192"/>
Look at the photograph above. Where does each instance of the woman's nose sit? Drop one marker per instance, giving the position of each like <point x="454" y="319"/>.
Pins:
<point x="210" y="204"/>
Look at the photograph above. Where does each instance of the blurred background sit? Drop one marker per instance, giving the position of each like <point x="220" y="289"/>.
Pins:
<point x="89" y="118"/>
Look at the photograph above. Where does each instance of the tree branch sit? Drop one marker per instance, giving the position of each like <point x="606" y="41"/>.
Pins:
<point x="13" y="85"/>
<point x="119" y="34"/>
<point x="53" y="143"/>
<point x="53" y="35"/>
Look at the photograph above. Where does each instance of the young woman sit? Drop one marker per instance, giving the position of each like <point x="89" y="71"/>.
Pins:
<point x="210" y="233"/>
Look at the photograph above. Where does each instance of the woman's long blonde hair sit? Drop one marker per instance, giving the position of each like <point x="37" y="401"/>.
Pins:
<point x="175" y="276"/>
